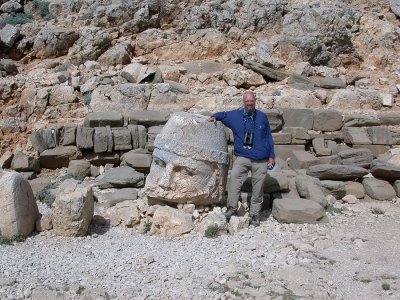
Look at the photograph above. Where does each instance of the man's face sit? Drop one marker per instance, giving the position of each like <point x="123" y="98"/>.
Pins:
<point x="180" y="179"/>
<point x="249" y="102"/>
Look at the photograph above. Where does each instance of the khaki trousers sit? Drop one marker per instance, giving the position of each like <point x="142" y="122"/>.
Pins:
<point x="239" y="172"/>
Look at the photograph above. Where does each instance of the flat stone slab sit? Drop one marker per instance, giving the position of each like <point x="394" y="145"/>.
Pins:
<point x="327" y="120"/>
<point x="336" y="172"/>
<point x="359" y="120"/>
<point x="332" y="83"/>
<point x="385" y="170"/>
<point x="121" y="177"/>
<point x="102" y="119"/>
<point x="110" y="197"/>
<point x="148" y="118"/>
<point x="356" y="135"/>
<point x="361" y="157"/>
<point x="59" y="157"/>
<point x="138" y="161"/>
<point x="299" y="211"/>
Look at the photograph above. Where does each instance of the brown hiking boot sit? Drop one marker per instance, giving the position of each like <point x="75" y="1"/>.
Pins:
<point x="230" y="212"/>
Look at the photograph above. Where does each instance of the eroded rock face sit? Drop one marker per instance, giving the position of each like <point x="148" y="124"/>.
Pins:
<point x="190" y="161"/>
<point x="18" y="209"/>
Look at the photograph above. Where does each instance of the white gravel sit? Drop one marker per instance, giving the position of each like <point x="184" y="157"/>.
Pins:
<point x="351" y="257"/>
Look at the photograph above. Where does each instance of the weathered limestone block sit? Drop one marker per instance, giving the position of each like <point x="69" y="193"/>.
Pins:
<point x="84" y="137"/>
<point x="148" y="118"/>
<point x="297" y="211"/>
<point x="298" y="117"/>
<point x="73" y="209"/>
<point x="389" y="118"/>
<point x="152" y="133"/>
<point x="282" y="138"/>
<point x="380" y="135"/>
<point x="327" y="120"/>
<point x="336" y="172"/>
<point x="102" y="119"/>
<point x="120" y="177"/>
<point x="379" y="189"/>
<point x="359" y="120"/>
<point x="69" y="135"/>
<point x="100" y="140"/>
<point x="310" y="188"/>
<point x="302" y="160"/>
<point x="190" y="161"/>
<point x="18" y="209"/>
<point x="59" y="157"/>
<point x="320" y="147"/>
<point x="355" y="188"/>
<point x="356" y="135"/>
<point x="138" y="161"/>
<point x="275" y="119"/>
<point x="24" y="163"/>
<point x="299" y="134"/>
<point x="122" y="138"/>
<point x="170" y="222"/>
<point x="212" y="219"/>
<point x="139" y="136"/>
<point x="334" y="188"/>
<point x="44" y="139"/>
<point x="125" y="213"/>
<point x="106" y="198"/>
<point x="361" y="157"/>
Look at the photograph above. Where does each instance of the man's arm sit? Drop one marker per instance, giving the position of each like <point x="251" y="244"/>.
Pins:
<point x="219" y="116"/>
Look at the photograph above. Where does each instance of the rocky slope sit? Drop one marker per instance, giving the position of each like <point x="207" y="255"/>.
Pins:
<point x="62" y="59"/>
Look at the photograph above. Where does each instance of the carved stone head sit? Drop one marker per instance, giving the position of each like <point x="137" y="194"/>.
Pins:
<point x="190" y="161"/>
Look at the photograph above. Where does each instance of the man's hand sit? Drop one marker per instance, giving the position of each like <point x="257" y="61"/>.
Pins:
<point x="271" y="161"/>
<point x="212" y="119"/>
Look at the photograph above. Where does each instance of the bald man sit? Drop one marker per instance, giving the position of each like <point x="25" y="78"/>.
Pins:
<point x="254" y="151"/>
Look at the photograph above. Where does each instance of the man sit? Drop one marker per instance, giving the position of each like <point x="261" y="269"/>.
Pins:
<point x="254" y="151"/>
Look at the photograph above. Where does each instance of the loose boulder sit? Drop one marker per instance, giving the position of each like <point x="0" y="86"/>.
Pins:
<point x="170" y="222"/>
<point x="379" y="189"/>
<point x="73" y="209"/>
<point x="298" y="211"/>
<point x="18" y="209"/>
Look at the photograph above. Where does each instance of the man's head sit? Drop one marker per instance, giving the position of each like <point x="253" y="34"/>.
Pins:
<point x="249" y="101"/>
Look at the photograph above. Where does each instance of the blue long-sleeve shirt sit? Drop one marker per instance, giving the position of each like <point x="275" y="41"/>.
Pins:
<point x="263" y="144"/>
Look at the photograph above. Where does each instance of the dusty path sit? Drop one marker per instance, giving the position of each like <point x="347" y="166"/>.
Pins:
<point x="355" y="256"/>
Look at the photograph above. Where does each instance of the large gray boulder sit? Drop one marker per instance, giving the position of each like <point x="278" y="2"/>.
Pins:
<point x="336" y="172"/>
<point x="53" y="42"/>
<point x="8" y="35"/>
<point x="297" y="211"/>
<point x="334" y="188"/>
<point x="385" y="170"/>
<point x="360" y="157"/>
<point x="319" y="34"/>
<point x="18" y="209"/>
<point x="120" y="54"/>
<point x="379" y="189"/>
<point x="190" y="161"/>
<point x="92" y="42"/>
<point x="332" y="83"/>
<point x="120" y="177"/>
<point x="395" y="7"/>
<point x="73" y="209"/>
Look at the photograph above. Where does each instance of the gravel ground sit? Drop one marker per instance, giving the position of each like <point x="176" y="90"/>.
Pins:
<point x="354" y="256"/>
